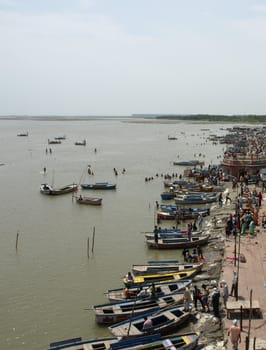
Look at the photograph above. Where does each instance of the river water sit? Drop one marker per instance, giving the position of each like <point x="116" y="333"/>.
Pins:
<point x="49" y="281"/>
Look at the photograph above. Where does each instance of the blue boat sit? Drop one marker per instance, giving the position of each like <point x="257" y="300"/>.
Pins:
<point x="168" y="195"/>
<point x="99" y="186"/>
<point x="186" y="341"/>
<point x="195" y="198"/>
<point x="163" y="321"/>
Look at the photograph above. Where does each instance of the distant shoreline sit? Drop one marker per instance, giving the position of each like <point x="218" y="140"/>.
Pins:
<point x="142" y="118"/>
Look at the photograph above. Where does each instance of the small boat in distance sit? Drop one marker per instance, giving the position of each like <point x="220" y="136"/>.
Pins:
<point x="81" y="143"/>
<point x="99" y="186"/>
<point x="89" y="200"/>
<point x="188" y="162"/>
<point x="23" y="134"/>
<point x="60" y="137"/>
<point x="54" y="142"/>
<point x="50" y="190"/>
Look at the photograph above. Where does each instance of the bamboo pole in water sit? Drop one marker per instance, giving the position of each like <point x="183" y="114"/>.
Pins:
<point x="88" y="247"/>
<point x="17" y="240"/>
<point x="93" y="236"/>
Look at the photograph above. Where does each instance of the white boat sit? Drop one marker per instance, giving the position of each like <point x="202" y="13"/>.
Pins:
<point x="160" y="289"/>
<point x="118" y="311"/>
<point x="157" y="268"/>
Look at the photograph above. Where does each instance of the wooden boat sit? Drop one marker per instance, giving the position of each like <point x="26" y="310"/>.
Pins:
<point x="195" y="187"/>
<point x="54" y="142"/>
<point x="142" y="280"/>
<point x="50" y="190"/>
<point x="23" y="134"/>
<point x="89" y="200"/>
<point x="99" y="186"/>
<point x="174" y="183"/>
<point x="163" y="321"/>
<point x="168" y="195"/>
<point x="178" y="243"/>
<point x="161" y="268"/>
<point x="186" y="341"/>
<point x="79" y="344"/>
<point x="118" y="311"/>
<point x="173" y="234"/>
<point x="161" y="289"/>
<point x="181" y="208"/>
<point x="81" y="143"/>
<point x="188" y="162"/>
<point x="182" y="214"/>
<point x="60" y="137"/>
<point x="195" y="198"/>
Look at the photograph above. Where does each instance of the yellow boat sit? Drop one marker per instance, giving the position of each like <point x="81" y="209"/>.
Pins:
<point x="159" y="277"/>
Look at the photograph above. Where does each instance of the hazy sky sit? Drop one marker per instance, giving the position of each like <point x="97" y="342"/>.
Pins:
<point x="118" y="57"/>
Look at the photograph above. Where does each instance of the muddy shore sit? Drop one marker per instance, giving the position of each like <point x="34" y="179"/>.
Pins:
<point x="213" y="329"/>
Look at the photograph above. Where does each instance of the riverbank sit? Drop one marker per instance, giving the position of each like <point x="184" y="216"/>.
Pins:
<point x="252" y="281"/>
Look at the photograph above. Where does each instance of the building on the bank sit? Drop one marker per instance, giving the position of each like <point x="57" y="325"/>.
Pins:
<point x="247" y="153"/>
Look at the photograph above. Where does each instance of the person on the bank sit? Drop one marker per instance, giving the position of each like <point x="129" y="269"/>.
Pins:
<point x="215" y="299"/>
<point x="225" y="291"/>
<point x="235" y="334"/>
<point x="156" y="234"/>
<point x="234" y="285"/>
<point x="197" y="296"/>
<point x="187" y="299"/>
<point x="205" y="297"/>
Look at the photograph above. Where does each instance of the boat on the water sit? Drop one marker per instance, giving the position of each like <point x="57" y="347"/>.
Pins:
<point x="160" y="289"/>
<point x="54" y="142"/>
<point x="118" y="311"/>
<point x="168" y="195"/>
<point x="23" y="134"/>
<point x="79" y="344"/>
<point x="81" y="143"/>
<point x="89" y="200"/>
<point x="173" y="234"/>
<point x="188" y="162"/>
<point x="141" y="280"/>
<point x="50" y="190"/>
<point x="181" y="214"/>
<point x="178" y="243"/>
<point x="99" y="186"/>
<point x="185" y="341"/>
<point x="195" y="198"/>
<point x="159" y="268"/>
<point x="162" y="321"/>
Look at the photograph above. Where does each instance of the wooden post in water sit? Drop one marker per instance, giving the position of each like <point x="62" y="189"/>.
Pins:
<point x="249" y="320"/>
<point x="93" y="236"/>
<point x="88" y="247"/>
<point x="241" y="318"/>
<point x="17" y="240"/>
